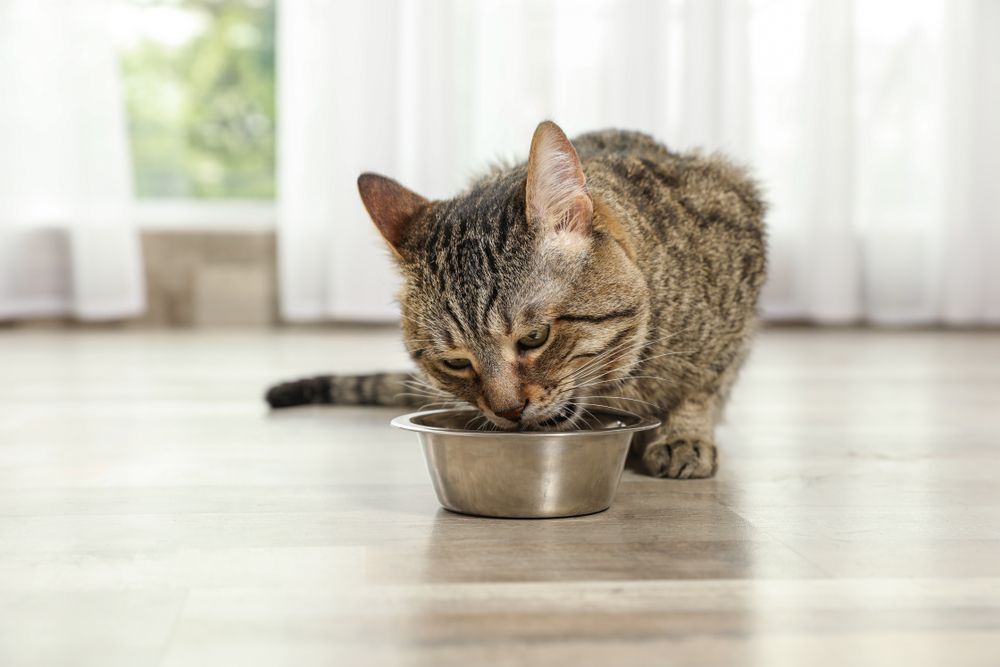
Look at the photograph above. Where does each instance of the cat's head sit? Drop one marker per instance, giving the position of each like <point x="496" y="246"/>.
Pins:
<point x="520" y="295"/>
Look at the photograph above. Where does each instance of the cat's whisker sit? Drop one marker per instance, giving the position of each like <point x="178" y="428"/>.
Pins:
<point x="595" y="376"/>
<point x="600" y="359"/>
<point x="469" y="423"/>
<point x="618" y="352"/>
<point x="420" y="392"/>
<point x="636" y="345"/>
<point x="620" y="398"/>
<point x="426" y="390"/>
<point x="420" y="385"/>
<point x="444" y="399"/>
<point x="592" y="419"/>
<point x="621" y="380"/>
<point x="656" y="356"/>
<point x="595" y="373"/>
<point x="437" y="405"/>
<point x="416" y="379"/>
<point x="590" y="414"/>
<point x="582" y="376"/>
<point x="638" y="348"/>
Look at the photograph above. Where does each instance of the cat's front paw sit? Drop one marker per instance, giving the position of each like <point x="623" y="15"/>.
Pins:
<point x="681" y="459"/>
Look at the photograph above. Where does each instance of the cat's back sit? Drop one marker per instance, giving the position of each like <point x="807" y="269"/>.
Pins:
<point x="696" y="222"/>
<point x="611" y="144"/>
<point x="666" y="188"/>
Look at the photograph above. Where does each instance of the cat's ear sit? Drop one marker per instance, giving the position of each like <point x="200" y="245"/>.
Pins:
<point x="556" y="193"/>
<point x="391" y="206"/>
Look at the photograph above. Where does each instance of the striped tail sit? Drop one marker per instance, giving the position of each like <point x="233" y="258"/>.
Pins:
<point x="390" y="389"/>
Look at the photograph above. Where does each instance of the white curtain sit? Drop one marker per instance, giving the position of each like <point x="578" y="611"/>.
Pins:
<point x="66" y="246"/>
<point x="873" y="126"/>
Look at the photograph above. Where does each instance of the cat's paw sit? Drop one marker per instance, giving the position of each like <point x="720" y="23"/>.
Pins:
<point x="681" y="459"/>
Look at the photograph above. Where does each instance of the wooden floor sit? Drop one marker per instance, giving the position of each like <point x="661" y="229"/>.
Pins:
<point x="152" y="512"/>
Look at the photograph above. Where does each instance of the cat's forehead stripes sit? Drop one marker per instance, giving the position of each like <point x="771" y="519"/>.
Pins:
<point x="478" y="251"/>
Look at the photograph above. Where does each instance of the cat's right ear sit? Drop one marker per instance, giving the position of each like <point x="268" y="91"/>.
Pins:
<point x="391" y="206"/>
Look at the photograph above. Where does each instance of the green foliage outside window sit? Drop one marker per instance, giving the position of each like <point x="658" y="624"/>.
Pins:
<point x="199" y="85"/>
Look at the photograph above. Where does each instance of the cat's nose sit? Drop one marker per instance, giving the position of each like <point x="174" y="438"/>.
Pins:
<point x="513" y="414"/>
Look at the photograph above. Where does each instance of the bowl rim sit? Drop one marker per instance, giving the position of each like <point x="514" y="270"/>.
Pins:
<point x="406" y="423"/>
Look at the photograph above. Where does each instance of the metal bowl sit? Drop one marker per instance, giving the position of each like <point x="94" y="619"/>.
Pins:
<point x="525" y="474"/>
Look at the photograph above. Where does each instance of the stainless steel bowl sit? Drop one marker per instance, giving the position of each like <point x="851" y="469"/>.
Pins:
<point x="525" y="474"/>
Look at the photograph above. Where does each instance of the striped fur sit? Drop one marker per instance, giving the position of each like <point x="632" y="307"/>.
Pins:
<point x="389" y="389"/>
<point x="644" y="264"/>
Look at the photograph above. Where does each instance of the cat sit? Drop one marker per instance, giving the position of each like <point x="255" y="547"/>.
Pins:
<point x="604" y="271"/>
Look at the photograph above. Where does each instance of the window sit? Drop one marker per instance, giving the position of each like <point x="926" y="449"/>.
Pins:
<point x="199" y="86"/>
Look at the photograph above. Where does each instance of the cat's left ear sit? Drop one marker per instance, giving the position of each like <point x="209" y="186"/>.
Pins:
<point x="556" y="192"/>
<point x="391" y="207"/>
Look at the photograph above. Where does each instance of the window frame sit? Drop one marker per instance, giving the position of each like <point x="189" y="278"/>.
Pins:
<point x="205" y="215"/>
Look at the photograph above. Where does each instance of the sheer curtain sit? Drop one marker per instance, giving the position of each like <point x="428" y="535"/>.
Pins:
<point x="66" y="246"/>
<point x="873" y="127"/>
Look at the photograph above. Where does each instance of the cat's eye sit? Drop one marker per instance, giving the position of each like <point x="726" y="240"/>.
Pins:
<point x="534" y="338"/>
<point x="457" y="363"/>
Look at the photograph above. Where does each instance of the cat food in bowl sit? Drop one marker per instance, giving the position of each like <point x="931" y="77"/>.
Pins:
<point x="525" y="474"/>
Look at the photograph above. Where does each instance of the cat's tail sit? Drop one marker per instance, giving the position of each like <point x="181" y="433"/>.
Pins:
<point x="389" y="389"/>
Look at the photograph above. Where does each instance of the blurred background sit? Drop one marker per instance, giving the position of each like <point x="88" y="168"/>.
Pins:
<point x="175" y="163"/>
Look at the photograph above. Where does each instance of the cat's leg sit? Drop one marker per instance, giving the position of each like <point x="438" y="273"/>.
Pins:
<point x="683" y="447"/>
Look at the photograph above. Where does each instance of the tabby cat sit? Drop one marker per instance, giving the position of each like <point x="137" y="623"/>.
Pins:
<point x="606" y="271"/>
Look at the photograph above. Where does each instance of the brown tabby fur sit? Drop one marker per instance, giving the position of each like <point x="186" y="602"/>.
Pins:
<point x="648" y="276"/>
